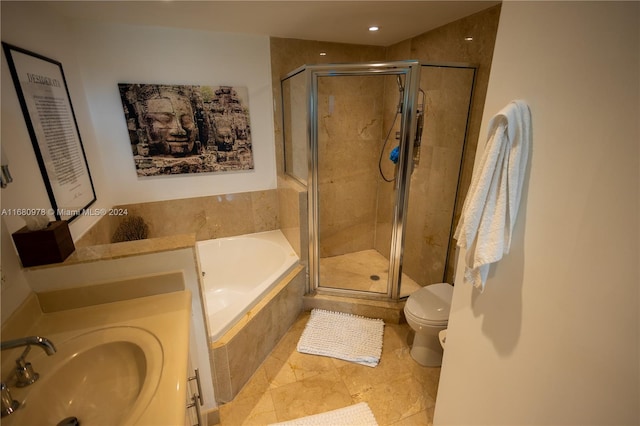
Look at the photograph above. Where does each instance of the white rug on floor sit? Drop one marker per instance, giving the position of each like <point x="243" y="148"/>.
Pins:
<point x="343" y="336"/>
<point x="354" y="415"/>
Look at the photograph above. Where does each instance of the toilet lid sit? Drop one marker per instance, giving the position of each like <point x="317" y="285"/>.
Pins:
<point x="431" y="303"/>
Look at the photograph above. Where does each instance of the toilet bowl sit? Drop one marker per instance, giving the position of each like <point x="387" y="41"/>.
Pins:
<point x="427" y="313"/>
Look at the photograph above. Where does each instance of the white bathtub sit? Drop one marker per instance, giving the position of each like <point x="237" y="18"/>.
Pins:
<point x="238" y="272"/>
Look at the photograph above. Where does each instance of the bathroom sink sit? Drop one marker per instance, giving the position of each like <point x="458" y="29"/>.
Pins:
<point x="103" y="377"/>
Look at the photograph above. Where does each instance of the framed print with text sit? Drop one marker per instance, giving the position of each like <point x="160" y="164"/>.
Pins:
<point x="51" y="122"/>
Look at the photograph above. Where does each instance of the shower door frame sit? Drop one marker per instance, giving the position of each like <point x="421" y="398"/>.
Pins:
<point x="412" y="71"/>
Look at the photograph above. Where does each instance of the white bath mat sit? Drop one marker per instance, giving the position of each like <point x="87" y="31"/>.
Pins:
<point x="343" y="336"/>
<point x="354" y="415"/>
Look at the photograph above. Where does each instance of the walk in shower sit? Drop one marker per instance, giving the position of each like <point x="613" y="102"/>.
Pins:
<point x="379" y="147"/>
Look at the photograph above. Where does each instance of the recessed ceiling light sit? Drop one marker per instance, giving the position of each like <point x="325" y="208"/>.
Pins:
<point x="468" y="38"/>
<point x="323" y="53"/>
<point x="373" y="28"/>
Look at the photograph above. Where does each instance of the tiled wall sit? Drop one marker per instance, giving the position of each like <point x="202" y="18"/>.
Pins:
<point x="292" y="202"/>
<point x="448" y="43"/>
<point x="295" y="126"/>
<point x="349" y="137"/>
<point x="434" y="180"/>
<point x="289" y="54"/>
<point x="206" y="217"/>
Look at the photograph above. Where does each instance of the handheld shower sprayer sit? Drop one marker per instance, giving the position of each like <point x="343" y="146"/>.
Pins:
<point x="420" y="119"/>
<point x="419" y="127"/>
<point x="400" y="92"/>
<point x="391" y="127"/>
<point x="394" y="156"/>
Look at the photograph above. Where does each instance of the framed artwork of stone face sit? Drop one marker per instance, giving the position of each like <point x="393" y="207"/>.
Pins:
<point x="177" y="129"/>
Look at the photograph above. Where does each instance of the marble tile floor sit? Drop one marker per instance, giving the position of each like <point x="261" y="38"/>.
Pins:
<point x="290" y="385"/>
<point x="353" y="271"/>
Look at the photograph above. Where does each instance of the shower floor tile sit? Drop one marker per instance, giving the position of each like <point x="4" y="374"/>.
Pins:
<point x="365" y="270"/>
<point x="291" y="385"/>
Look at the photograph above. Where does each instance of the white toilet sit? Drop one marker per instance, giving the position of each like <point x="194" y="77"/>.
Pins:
<point x="427" y="313"/>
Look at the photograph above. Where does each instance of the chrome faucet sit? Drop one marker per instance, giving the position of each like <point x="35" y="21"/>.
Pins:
<point x="42" y="342"/>
<point x="24" y="370"/>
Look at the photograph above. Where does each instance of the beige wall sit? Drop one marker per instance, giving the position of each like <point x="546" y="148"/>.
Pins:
<point x="554" y="337"/>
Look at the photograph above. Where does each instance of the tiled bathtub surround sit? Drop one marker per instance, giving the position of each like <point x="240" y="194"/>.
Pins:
<point x="206" y="217"/>
<point x="241" y="351"/>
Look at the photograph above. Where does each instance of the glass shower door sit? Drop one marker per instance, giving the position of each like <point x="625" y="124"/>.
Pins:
<point x="359" y="117"/>
<point x="436" y="196"/>
<point x="350" y="128"/>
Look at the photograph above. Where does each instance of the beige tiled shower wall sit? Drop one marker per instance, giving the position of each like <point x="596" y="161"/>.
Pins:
<point x="290" y="54"/>
<point x="206" y="217"/>
<point x="292" y="202"/>
<point x="447" y="44"/>
<point x="349" y="134"/>
<point x="434" y="180"/>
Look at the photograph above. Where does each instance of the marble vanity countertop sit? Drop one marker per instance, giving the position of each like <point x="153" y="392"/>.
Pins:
<point x="166" y="316"/>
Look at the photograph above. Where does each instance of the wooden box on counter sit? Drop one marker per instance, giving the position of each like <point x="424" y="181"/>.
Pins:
<point x="50" y="245"/>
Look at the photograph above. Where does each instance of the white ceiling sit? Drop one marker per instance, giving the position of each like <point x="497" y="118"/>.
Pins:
<point x="334" y="21"/>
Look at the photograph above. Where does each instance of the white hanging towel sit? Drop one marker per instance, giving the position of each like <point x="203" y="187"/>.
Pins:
<point x="491" y="207"/>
